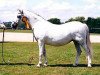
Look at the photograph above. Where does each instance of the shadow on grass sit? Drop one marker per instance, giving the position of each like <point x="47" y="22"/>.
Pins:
<point x="17" y="64"/>
<point x="56" y="65"/>
<point x="71" y="65"/>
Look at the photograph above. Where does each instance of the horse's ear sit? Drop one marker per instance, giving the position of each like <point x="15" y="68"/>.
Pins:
<point x="20" y="11"/>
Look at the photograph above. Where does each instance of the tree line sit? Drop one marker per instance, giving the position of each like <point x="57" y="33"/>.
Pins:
<point x="92" y="23"/>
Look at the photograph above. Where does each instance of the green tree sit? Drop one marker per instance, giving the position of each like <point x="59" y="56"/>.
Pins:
<point x="97" y="22"/>
<point x="71" y="19"/>
<point x="8" y="24"/>
<point x="91" y="22"/>
<point x="55" y="21"/>
<point x="80" y="19"/>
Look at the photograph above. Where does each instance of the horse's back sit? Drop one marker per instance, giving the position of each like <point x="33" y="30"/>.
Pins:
<point x="73" y="26"/>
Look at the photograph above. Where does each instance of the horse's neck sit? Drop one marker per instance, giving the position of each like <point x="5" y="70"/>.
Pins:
<point x="32" y="22"/>
<point x="33" y="18"/>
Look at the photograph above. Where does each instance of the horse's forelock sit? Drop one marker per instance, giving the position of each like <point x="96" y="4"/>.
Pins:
<point x="25" y="20"/>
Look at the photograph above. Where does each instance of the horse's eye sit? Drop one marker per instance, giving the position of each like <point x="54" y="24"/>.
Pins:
<point x="19" y="16"/>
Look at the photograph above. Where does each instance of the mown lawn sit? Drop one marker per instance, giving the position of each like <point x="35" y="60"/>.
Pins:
<point x="18" y="31"/>
<point x="23" y="58"/>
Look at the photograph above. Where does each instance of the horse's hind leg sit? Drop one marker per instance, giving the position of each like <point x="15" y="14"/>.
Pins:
<point x="78" y="49"/>
<point x="88" y="56"/>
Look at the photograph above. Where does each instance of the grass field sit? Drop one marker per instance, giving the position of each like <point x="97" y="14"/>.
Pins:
<point x="18" y="31"/>
<point x="23" y="58"/>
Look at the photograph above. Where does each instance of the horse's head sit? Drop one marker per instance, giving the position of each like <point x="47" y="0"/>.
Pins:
<point x="23" y="18"/>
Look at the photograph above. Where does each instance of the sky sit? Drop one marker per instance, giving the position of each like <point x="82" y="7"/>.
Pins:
<point x="62" y="9"/>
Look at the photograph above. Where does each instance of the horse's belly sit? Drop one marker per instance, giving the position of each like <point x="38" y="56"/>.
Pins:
<point x="57" y="42"/>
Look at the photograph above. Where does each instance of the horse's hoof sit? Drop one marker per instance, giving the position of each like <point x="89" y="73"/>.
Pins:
<point x="75" y="65"/>
<point x="39" y="65"/>
<point x="89" y="66"/>
<point x="45" y="65"/>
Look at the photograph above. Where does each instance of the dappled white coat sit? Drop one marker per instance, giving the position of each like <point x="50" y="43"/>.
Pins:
<point x="48" y="33"/>
<point x="59" y="34"/>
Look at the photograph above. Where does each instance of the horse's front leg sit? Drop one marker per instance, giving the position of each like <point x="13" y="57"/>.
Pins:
<point x="42" y="52"/>
<point x="41" y="47"/>
<point x="45" y="58"/>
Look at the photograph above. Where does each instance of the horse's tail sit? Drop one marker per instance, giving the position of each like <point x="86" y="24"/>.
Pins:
<point x="89" y="43"/>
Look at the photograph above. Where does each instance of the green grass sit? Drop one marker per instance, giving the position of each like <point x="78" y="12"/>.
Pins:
<point x="60" y="60"/>
<point x="19" y="31"/>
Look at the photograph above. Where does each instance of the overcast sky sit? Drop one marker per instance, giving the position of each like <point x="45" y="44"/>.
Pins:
<point x="62" y="9"/>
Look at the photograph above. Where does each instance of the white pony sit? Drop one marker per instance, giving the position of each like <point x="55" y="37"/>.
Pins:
<point x="57" y="35"/>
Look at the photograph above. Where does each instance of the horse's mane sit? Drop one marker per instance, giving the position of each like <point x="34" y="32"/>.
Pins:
<point x="36" y="14"/>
